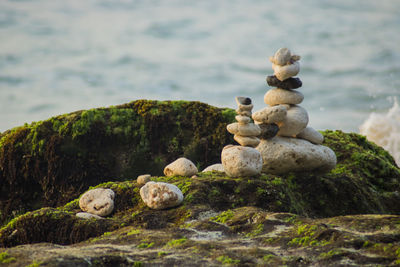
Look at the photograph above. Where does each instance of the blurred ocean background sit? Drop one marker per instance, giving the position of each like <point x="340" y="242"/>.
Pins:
<point x="61" y="56"/>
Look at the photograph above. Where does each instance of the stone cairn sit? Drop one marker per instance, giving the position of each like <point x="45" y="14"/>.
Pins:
<point x="243" y="160"/>
<point x="287" y="144"/>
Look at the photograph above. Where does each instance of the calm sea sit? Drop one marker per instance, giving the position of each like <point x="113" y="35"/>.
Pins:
<point x="60" y="56"/>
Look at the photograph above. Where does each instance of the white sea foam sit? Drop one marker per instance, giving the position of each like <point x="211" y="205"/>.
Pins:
<point x="384" y="130"/>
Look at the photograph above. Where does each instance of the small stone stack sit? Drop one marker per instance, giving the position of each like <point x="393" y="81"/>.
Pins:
<point x="244" y="132"/>
<point x="243" y="160"/>
<point x="287" y="144"/>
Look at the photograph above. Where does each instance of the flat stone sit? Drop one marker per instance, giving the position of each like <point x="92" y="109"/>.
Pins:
<point x="283" y="154"/>
<point x="87" y="215"/>
<point x="268" y="130"/>
<point x="245" y="107"/>
<point x="243" y="119"/>
<point x="288" y="84"/>
<point x="312" y="135"/>
<point x="161" y="195"/>
<point x="218" y="167"/>
<point x="296" y="120"/>
<point x="249" y="129"/>
<point x="241" y="100"/>
<point x="99" y="201"/>
<point x="181" y="167"/>
<point x="243" y="112"/>
<point x="278" y="96"/>
<point x="271" y="114"/>
<point x="241" y="161"/>
<point x="281" y="57"/>
<point x="287" y="71"/>
<point x="251" y="141"/>
<point x="143" y="179"/>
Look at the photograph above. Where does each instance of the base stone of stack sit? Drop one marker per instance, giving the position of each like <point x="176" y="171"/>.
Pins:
<point x="241" y="161"/>
<point x="283" y="154"/>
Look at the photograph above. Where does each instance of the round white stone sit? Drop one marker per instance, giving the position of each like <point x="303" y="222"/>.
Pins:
<point x="161" y="195"/>
<point x="278" y="96"/>
<point x="310" y="134"/>
<point x="98" y="201"/>
<point x="283" y="154"/>
<point x="272" y="114"/>
<point x="296" y="120"/>
<point x="218" y="167"/>
<point x="282" y="56"/>
<point x="241" y="161"/>
<point x="286" y="71"/>
<point x="243" y="119"/>
<point x="181" y="167"/>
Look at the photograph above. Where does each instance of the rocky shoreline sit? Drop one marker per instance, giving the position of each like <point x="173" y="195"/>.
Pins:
<point x="348" y="216"/>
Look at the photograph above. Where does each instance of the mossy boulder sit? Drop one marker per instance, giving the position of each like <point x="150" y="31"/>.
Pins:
<point x="296" y="219"/>
<point x="51" y="162"/>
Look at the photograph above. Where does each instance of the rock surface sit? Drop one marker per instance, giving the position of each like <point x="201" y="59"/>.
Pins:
<point x="98" y="201"/>
<point x="244" y="130"/>
<point x="296" y="121"/>
<point x="87" y="215"/>
<point x="161" y="195"/>
<point x="278" y="96"/>
<point x="268" y="130"/>
<point x="143" y="179"/>
<point x="215" y="167"/>
<point x="284" y="155"/>
<point x="241" y="161"/>
<point x="182" y="167"/>
<point x="251" y="141"/>
<point x="310" y="134"/>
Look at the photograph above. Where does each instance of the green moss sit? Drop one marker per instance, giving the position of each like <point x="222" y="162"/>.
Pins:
<point x="227" y="260"/>
<point x="223" y="217"/>
<point x="133" y="232"/>
<point x="176" y="242"/>
<point x="145" y="245"/>
<point x="6" y="258"/>
<point x="34" y="264"/>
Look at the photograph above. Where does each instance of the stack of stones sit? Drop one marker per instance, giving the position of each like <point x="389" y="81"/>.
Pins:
<point x="243" y="160"/>
<point x="244" y="132"/>
<point x="287" y="144"/>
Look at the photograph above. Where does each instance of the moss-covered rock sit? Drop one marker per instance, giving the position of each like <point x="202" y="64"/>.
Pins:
<point x="296" y="219"/>
<point x="51" y="162"/>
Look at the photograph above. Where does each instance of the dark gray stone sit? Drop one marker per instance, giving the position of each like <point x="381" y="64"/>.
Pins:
<point x="291" y="83"/>
<point x="268" y="130"/>
<point x="243" y="100"/>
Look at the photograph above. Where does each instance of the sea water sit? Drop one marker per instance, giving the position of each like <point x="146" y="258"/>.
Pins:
<point x="61" y="56"/>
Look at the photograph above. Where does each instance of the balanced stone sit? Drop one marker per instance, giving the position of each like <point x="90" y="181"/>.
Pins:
<point x="287" y="71"/>
<point x="283" y="155"/>
<point x="243" y="112"/>
<point x="182" y="167"/>
<point x="240" y="100"/>
<point x="281" y="57"/>
<point x="278" y="96"/>
<point x="288" y="84"/>
<point x="268" y="130"/>
<point x="218" y="167"/>
<point x="246" y="140"/>
<point x="241" y="161"/>
<point x="310" y="134"/>
<point x="244" y="129"/>
<point x="143" y="179"/>
<point x="243" y="119"/>
<point x="245" y="107"/>
<point x="161" y="195"/>
<point x="272" y="114"/>
<point x="98" y="201"/>
<point x="295" y="121"/>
